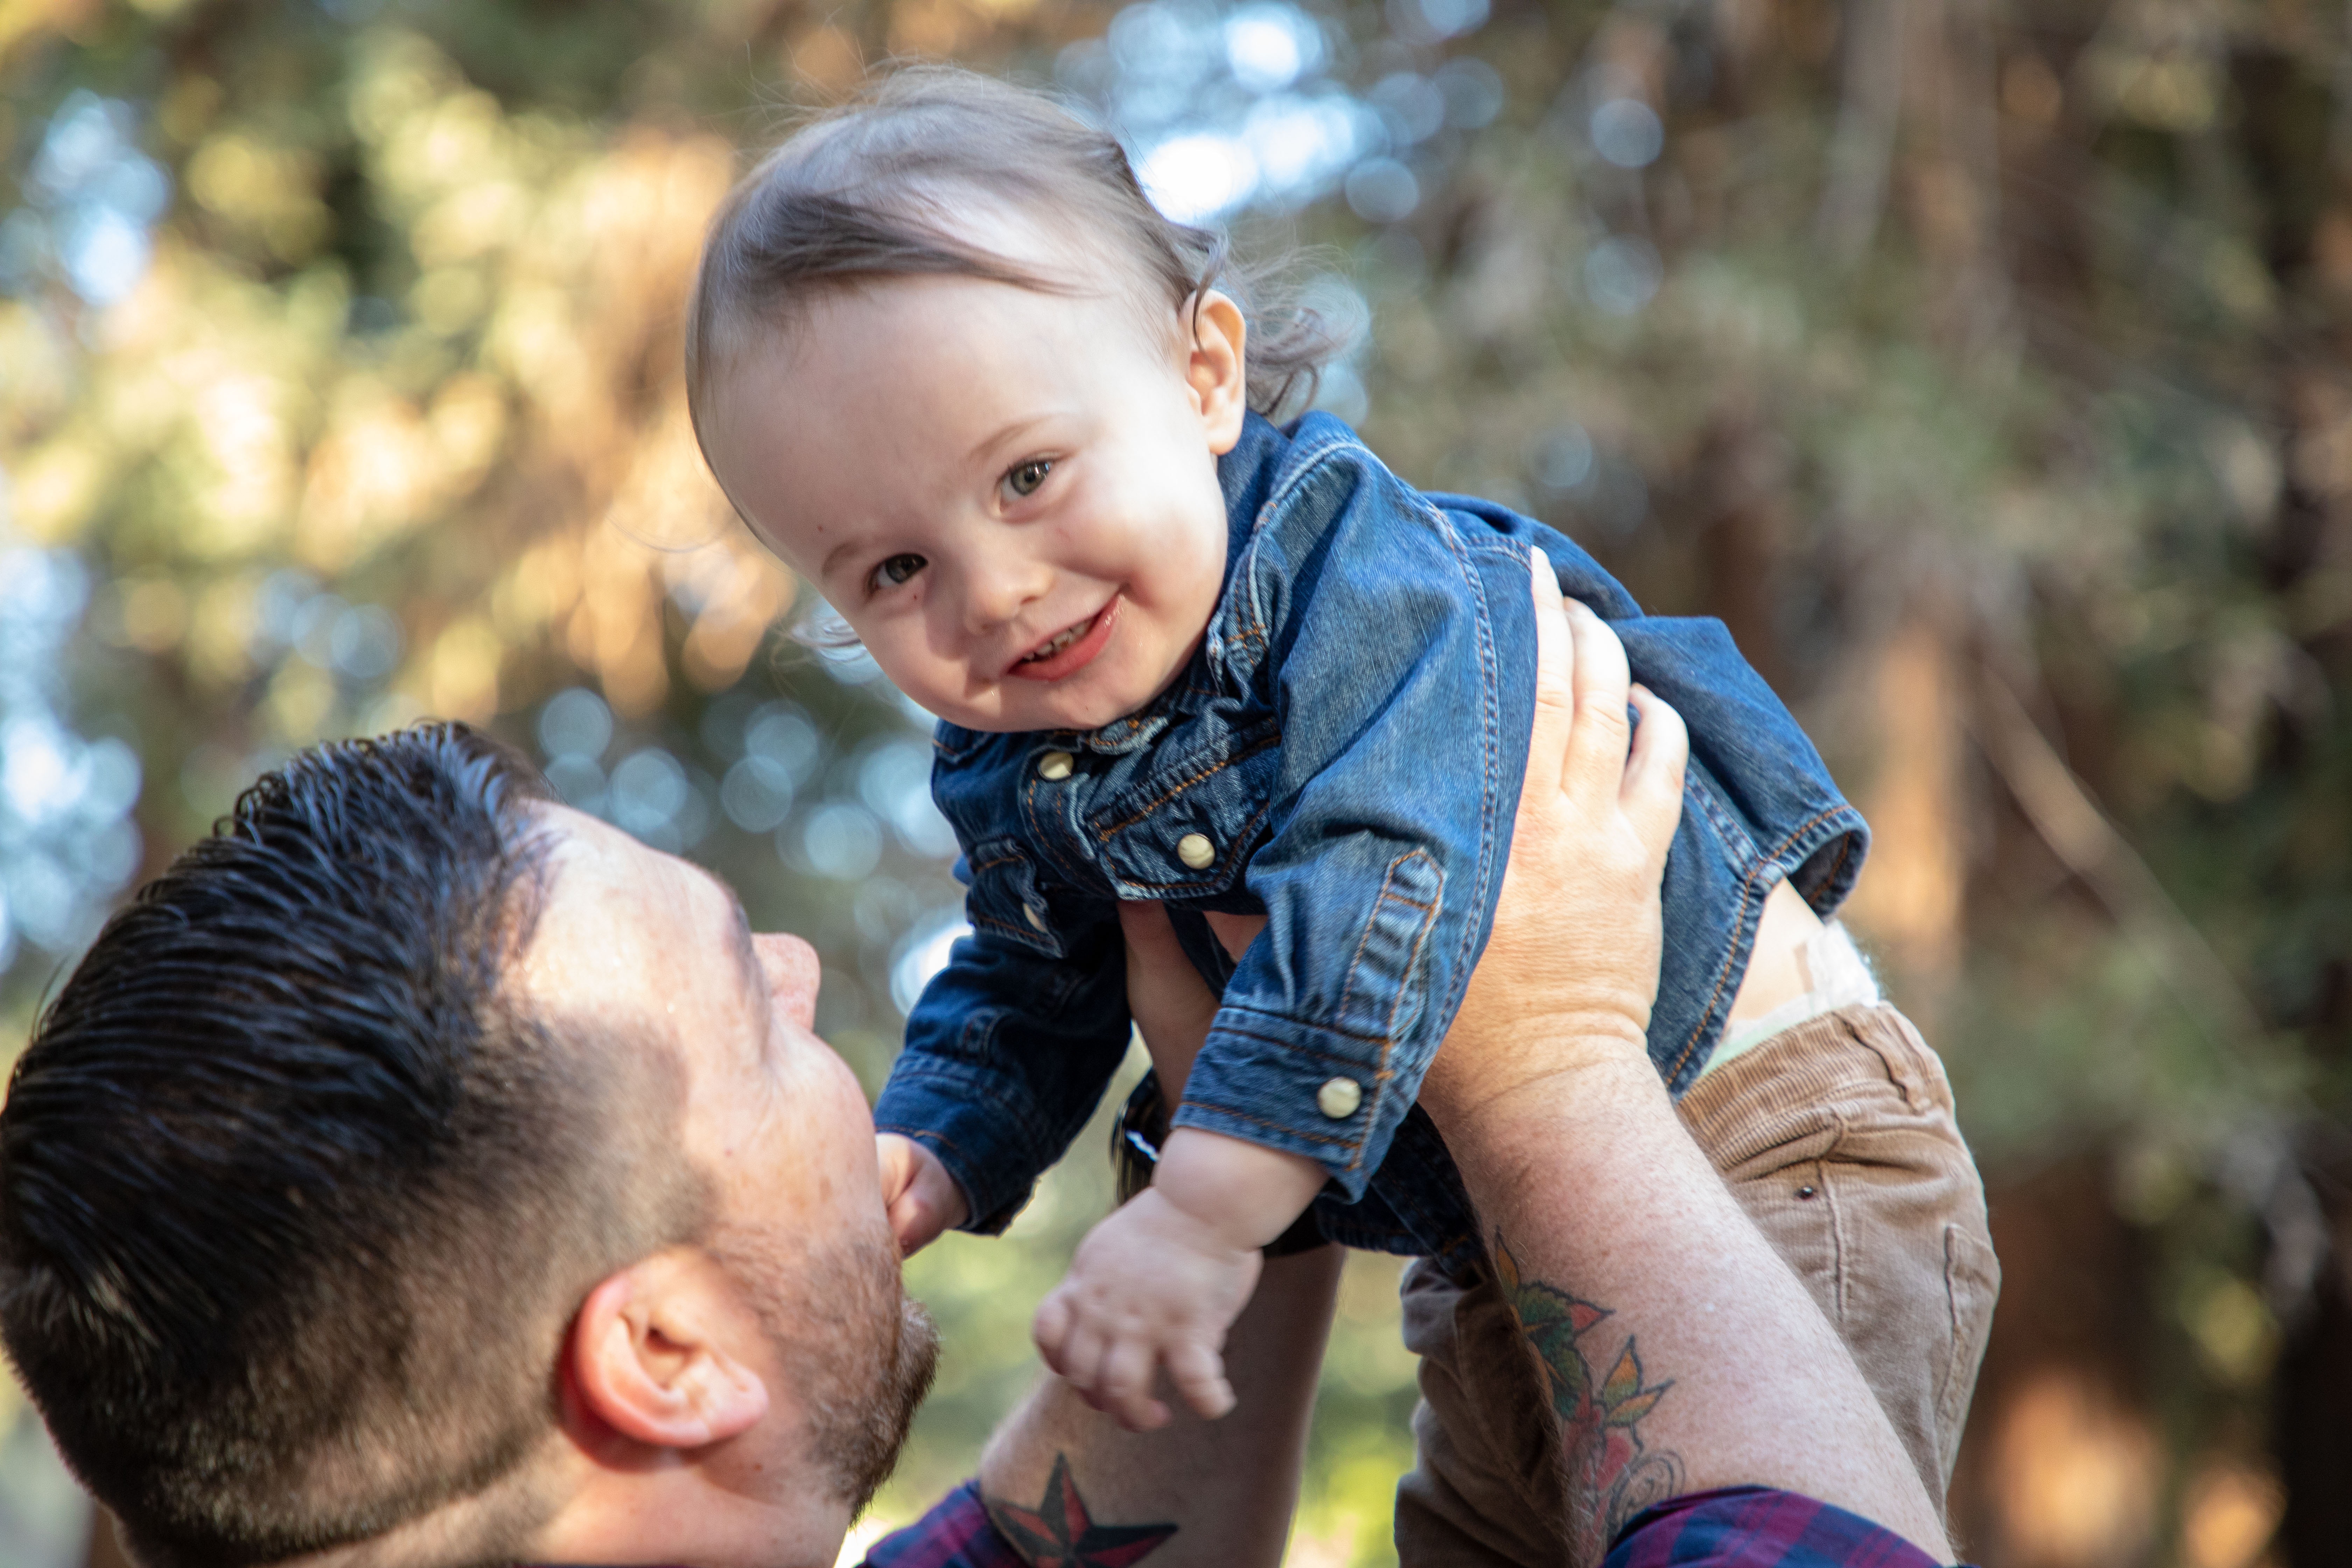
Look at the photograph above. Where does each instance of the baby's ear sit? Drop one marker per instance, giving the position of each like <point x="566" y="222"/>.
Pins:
<point x="1217" y="369"/>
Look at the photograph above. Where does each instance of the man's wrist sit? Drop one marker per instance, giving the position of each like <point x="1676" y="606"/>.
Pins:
<point x="1502" y="1122"/>
<point x="1491" y="1066"/>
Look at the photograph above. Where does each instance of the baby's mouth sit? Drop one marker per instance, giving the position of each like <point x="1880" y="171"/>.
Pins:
<point x="1071" y="649"/>
<point x="1060" y="640"/>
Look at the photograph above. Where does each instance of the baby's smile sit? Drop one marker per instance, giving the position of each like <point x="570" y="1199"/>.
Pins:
<point x="1070" y="649"/>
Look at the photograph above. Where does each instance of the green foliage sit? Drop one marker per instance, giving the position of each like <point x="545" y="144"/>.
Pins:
<point x="1996" y="363"/>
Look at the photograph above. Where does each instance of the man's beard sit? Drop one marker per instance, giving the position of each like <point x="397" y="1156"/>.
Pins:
<point x="860" y="1354"/>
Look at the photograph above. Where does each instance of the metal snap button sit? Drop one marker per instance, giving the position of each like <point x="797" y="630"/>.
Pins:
<point x="1195" y="850"/>
<point x="1339" y="1098"/>
<point x="1034" y="918"/>
<point x="1055" y="766"/>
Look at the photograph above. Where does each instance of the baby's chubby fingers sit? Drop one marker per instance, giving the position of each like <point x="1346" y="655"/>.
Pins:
<point x="1125" y="1387"/>
<point x="1083" y="1350"/>
<point x="917" y="1195"/>
<point x="1049" y="1329"/>
<point x="1199" y="1373"/>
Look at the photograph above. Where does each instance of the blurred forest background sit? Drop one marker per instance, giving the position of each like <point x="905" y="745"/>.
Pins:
<point x="1982" y="363"/>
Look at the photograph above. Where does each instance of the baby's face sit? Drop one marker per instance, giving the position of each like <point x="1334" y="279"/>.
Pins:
<point x="1011" y="496"/>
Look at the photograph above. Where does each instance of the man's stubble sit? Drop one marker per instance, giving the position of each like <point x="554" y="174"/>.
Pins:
<point x="861" y="1355"/>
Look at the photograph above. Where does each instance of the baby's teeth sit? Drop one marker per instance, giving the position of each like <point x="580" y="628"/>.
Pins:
<point x="1060" y="640"/>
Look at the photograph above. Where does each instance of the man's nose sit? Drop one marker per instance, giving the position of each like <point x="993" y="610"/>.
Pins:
<point x="792" y="973"/>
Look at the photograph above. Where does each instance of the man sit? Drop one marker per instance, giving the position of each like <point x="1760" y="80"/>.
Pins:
<point x="420" y="1163"/>
<point x="421" y="1172"/>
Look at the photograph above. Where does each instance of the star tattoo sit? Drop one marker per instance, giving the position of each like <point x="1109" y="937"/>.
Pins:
<point x="1059" y="1532"/>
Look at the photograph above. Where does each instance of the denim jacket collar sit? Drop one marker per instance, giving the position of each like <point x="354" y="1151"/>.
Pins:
<point x="1247" y="474"/>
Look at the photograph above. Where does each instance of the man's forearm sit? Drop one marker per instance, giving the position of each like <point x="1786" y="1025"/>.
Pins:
<point x="1675" y="1349"/>
<point x="1067" y="1484"/>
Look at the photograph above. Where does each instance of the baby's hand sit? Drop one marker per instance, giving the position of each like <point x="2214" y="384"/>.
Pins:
<point x="1149" y="1287"/>
<point x="922" y="1198"/>
<point x="1160" y="1281"/>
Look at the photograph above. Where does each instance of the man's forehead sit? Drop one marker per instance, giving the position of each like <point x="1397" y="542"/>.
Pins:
<point x="609" y="898"/>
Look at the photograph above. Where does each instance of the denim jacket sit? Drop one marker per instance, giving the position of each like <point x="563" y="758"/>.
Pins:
<point x="1342" y="755"/>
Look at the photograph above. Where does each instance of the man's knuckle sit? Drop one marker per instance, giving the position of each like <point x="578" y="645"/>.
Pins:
<point x="1601" y="714"/>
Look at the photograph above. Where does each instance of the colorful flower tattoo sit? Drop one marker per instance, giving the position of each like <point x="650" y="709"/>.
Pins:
<point x="1611" y="1475"/>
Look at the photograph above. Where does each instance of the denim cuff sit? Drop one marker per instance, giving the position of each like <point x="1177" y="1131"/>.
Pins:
<point x="1330" y="1097"/>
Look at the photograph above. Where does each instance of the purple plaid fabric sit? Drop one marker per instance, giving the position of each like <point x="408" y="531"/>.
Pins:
<point x="956" y="1533"/>
<point x="1757" y="1527"/>
<point x="1736" y="1527"/>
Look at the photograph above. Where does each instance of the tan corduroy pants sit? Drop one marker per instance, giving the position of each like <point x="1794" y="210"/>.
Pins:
<point x="1838" y="1138"/>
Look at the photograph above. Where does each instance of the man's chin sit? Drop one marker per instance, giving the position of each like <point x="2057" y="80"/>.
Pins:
<point x="858" y="1356"/>
<point x="914" y="1364"/>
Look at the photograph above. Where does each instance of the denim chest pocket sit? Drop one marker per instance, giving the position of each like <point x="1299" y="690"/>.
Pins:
<point x="1004" y="899"/>
<point x="1188" y="829"/>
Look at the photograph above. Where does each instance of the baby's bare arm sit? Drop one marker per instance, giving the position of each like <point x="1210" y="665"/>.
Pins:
<point x="1157" y="1284"/>
<point x="1244" y="1193"/>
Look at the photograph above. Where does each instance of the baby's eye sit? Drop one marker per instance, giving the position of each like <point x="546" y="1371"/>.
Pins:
<point x="895" y="571"/>
<point x="1024" y="479"/>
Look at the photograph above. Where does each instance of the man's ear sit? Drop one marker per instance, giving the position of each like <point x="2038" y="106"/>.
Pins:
<point x="1217" y="368"/>
<point x="660" y="1352"/>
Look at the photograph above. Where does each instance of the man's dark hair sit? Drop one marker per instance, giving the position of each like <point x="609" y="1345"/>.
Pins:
<point x="296" y="1202"/>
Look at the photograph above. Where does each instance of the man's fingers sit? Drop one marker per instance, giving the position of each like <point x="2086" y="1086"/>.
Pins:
<point x="1597" y="744"/>
<point x="1555" y="679"/>
<point x="1651" y="797"/>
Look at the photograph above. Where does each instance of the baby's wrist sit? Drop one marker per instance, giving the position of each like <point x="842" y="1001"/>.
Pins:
<point x="1222" y="1232"/>
<point x="1242" y="1193"/>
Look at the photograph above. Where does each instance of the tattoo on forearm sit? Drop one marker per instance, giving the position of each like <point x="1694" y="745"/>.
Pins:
<point x="1060" y="1533"/>
<point x="1611" y="1474"/>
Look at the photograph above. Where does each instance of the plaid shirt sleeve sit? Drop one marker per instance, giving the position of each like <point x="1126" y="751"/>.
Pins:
<point x="956" y="1533"/>
<point x="1758" y="1527"/>
<point x="1736" y="1527"/>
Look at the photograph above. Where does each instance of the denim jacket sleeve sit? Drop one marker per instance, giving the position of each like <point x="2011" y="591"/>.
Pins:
<point x="1012" y="1045"/>
<point x="1390" y="811"/>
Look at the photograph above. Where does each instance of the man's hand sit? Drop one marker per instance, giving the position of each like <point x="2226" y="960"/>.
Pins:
<point x="1614" y="1242"/>
<point x="923" y="1200"/>
<point x="1566" y="973"/>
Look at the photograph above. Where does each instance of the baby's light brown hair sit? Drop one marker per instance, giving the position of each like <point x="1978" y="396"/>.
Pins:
<point x="870" y="191"/>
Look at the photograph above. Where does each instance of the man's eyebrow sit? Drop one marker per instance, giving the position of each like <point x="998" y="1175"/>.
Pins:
<point x="747" y="956"/>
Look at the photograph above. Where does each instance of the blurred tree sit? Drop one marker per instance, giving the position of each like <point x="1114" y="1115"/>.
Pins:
<point x="1983" y="367"/>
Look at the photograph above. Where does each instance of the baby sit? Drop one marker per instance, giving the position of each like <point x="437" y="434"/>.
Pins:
<point x="953" y="367"/>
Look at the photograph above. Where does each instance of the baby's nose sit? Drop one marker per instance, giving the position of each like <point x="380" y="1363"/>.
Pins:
<point x="1000" y="591"/>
